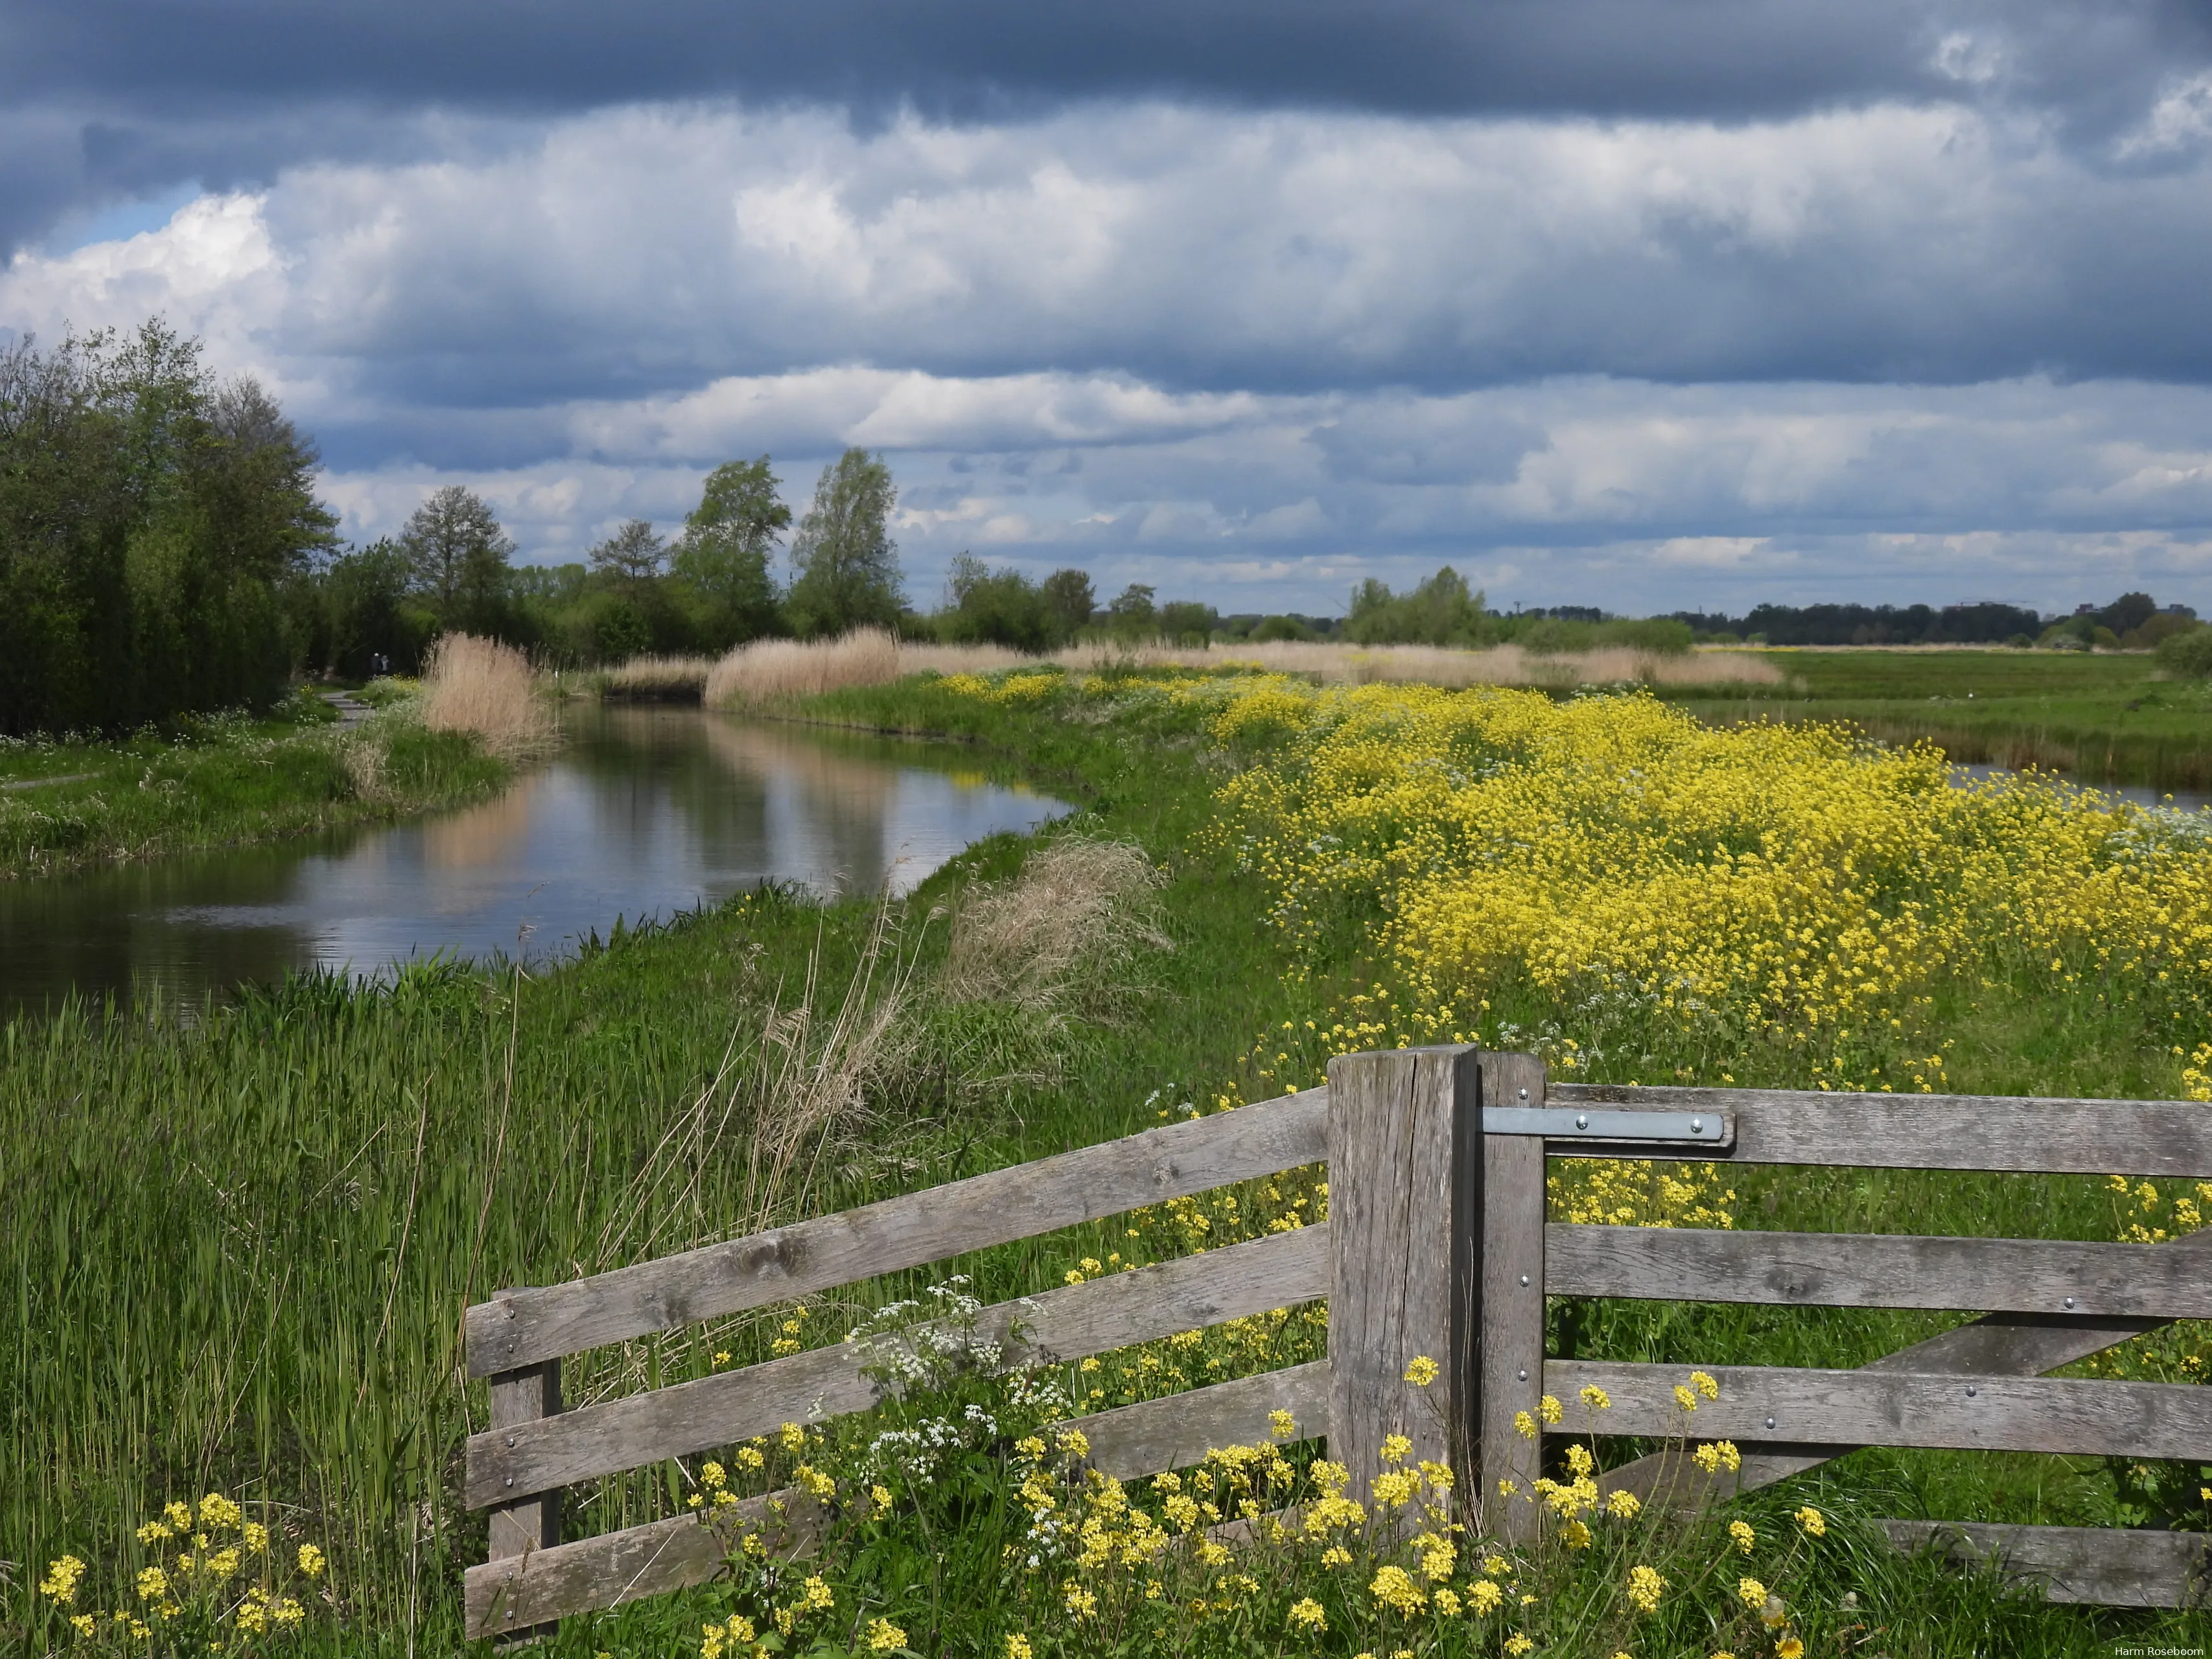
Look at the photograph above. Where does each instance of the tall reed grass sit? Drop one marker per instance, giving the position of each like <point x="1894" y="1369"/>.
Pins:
<point x="666" y="679"/>
<point x="770" y="671"/>
<point x="480" y="685"/>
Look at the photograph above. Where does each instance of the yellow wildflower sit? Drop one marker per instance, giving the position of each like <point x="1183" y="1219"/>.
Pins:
<point x="1422" y="1371"/>
<point x="1306" y="1614"/>
<point x="1745" y="1537"/>
<point x="884" y="1637"/>
<point x="1645" y="1587"/>
<point x="1815" y="1524"/>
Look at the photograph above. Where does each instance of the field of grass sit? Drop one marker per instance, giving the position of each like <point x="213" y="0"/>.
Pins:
<point x="237" y="1241"/>
<point x="2103" y="719"/>
<point x="231" y="779"/>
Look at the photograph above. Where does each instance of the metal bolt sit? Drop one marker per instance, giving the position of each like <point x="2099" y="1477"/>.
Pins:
<point x="1524" y="1094"/>
<point x="1770" y="1422"/>
<point x="1524" y="1377"/>
<point x="510" y="1440"/>
<point x="510" y="1479"/>
<point x="2070" y="1301"/>
<point x="1525" y="1279"/>
<point x="1581" y="1121"/>
<point x="1971" y="1391"/>
<point x="1696" y="1126"/>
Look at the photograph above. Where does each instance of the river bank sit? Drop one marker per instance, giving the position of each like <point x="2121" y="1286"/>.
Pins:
<point x="229" y="781"/>
<point x="242" y="1257"/>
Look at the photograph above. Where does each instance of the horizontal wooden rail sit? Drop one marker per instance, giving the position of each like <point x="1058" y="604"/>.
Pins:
<point x="523" y="1591"/>
<point x="2161" y="1138"/>
<point x="1069" y="1323"/>
<point x="2114" y="1566"/>
<point x="1895" y="1408"/>
<point x="2001" y="1344"/>
<point x="1873" y="1270"/>
<point x="1178" y="1431"/>
<point x="521" y="1327"/>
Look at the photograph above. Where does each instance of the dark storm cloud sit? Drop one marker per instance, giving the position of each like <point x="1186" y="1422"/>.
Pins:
<point x="134" y="96"/>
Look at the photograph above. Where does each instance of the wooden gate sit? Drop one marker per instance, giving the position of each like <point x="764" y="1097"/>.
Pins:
<point x="1437" y="1244"/>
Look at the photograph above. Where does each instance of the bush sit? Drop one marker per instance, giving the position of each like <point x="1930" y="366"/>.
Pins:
<point x="2189" y="654"/>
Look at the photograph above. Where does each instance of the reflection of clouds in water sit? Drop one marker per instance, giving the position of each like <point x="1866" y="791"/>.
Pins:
<point x="648" y="812"/>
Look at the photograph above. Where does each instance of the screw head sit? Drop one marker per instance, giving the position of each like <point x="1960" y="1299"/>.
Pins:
<point x="1524" y="1094"/>
<point x="510" y="1479"/>
<point x="510" y="1440"/>
<point x="1770" y="1422"/>
<point x="1525" y="1279"/>
<point x="1971" y="1391"/>
<point x="1696" y="1126"/>
<point x="1524" y="1377"/>
<point x="2070" y="1301"/>
<point x="1582" y="1121"/>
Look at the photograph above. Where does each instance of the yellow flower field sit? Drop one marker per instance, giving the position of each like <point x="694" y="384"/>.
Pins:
<point x="1780" y="899"/>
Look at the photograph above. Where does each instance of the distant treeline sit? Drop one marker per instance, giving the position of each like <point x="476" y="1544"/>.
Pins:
<point x="2134" y="620"/>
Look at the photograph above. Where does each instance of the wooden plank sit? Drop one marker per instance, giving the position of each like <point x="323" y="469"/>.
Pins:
<point x="1405" y="1137"/>
<point x="2001" y="1344"/>
<point x="522" y="1529"/>
<point x="1901" y="1408"/>
<point x="1178" y="1431"/>
<point x="2159" y="1138"/>
<point x="517" y="1327"/>
<point x="1861" y="1270"/>
<point x="615" y="1567"/>
<point x="2106" y="1566"/>
<point x="1069" y="1323"/>
<point x="1511" y="1316"/>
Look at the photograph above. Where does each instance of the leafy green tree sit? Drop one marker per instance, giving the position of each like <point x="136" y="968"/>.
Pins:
<point x="725" y="550"/>
<point x="1068" y="595"/>
<point x="1441" y="610"/>
<point x="1132" y="615"/>
<point x="152" y="525"/>
<point x="458" y="553"/>
<point x="845" y="565"/>
<point x="365" y="595"/>
<point x="999" y="607"/>
<point x="1187" y="622"/>
<point x="634" y="553"/>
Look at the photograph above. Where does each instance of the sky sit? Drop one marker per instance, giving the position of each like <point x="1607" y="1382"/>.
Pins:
<point x="1646" y="304"/>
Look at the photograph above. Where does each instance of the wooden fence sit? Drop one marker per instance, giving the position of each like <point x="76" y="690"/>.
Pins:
<point x="1436" y="1244"/>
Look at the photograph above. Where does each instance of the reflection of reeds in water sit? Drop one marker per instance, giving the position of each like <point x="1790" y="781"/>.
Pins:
<point x="670" y="680"/>
<point x="774" y="671"/>
<point x="845" y="800"/>
<point x="482" y="835"/>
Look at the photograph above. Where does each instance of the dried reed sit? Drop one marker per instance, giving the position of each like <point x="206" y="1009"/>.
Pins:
<point x="673" y="679"/>
<point x="480" y="685"/>
<point x="1078" y="908"/>
<point x="771" y="671"/>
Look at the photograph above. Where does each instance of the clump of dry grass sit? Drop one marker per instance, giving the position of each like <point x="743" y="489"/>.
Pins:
<point x="666" y="679"/>
<point x="480" y="685"/>
<point x="772" y="670"/>
<point x="775" y="670"/>
<point x="1077" y="907"/>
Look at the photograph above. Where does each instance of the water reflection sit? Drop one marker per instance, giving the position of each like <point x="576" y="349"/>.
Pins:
<point x="2183" y="800"/>
<point x="647" y="811"/>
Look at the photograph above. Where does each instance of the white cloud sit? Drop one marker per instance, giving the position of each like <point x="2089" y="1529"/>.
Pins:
<point x="1264" y="350"/>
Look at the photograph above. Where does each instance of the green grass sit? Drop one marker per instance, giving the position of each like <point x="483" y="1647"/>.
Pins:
<point x="236" y="1241"/>
<point x="2105" y="719"/>
<point x="227" y="780"/>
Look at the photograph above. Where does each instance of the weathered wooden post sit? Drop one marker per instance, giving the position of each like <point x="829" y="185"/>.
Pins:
<point x="1510" y="1292"/>
<point x="532" y="1523"/>
<point x="1405" y="1206"/>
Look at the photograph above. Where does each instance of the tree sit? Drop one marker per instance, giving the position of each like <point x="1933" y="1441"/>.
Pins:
<point x="1133" y="616"/>
<point x="724" y="551"/>
<point x="999" y="607"/>
<point x="1187" y="622"/>
<point x="458" y="553"/>
<point x="844" y="563"/>
<point x="632" y="554"/>
<point x="1440" y="611"/>
<point x="1067" y="595"/>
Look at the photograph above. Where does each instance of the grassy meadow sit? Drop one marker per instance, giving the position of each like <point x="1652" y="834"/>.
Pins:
<point x="2103" y="718"/>
<point x="237" y="1239"/>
